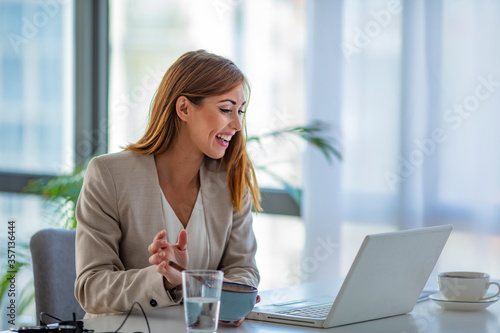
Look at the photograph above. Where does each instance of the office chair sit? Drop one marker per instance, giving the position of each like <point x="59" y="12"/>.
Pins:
<point x="53" y="256"/>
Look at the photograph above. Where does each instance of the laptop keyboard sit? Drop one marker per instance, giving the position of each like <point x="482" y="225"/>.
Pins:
<point x="322" y="310"/>
<point x="315" y="311"/>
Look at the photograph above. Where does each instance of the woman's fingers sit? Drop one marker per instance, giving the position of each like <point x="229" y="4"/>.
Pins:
<point x="173" y="277"/>
<point x="239" y="322"/>
<point x="156" y="246"/>
<point x="235" y="323"/>
<point x="162" y="252"/>
<point x="164" y="270"/>
<point x="161" y="268"/>
<point x="158" y="242"/>
<point x="182" y="240"/>
<point x="157" y="258"/>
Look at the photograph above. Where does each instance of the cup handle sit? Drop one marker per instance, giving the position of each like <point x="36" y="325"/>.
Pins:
<point x="498" y="291"/>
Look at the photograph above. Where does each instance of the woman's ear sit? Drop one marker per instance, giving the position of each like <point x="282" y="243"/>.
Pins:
<point x="182" y="107"/>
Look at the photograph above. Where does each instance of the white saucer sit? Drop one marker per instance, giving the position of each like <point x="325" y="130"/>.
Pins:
<point x="462" y="305"/>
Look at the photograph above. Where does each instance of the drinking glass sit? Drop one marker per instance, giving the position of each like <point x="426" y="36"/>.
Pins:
<point x="201" y="290"/>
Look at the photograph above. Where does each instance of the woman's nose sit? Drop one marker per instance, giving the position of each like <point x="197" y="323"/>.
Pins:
<point x="236" y="121"/>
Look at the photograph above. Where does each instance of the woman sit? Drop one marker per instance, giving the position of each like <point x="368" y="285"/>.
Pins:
<point x="183" y="192"/>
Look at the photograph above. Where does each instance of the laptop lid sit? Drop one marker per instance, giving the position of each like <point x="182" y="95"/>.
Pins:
<point x="386" y="278"/>
<point x="388" y="275"/>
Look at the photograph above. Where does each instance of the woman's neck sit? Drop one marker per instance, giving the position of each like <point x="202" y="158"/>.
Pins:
<point x="177" y="168"/>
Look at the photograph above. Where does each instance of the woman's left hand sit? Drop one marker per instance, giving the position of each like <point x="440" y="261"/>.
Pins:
<point x="163" y="252"/>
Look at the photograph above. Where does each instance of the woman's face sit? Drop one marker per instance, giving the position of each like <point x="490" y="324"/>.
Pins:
<point x="215" y="121"/>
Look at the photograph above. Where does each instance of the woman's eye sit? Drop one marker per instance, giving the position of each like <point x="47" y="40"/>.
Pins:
<point x="241" y="112"/>
<point x="225" y="110"/>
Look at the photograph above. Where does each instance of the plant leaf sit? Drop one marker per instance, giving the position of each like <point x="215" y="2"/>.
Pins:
<point x="313" y="134"/>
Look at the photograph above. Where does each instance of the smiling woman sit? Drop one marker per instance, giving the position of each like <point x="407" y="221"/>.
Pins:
<point x="196" y="76"/>
<point x="182" y="193"/>
<point x="215" y="120"/>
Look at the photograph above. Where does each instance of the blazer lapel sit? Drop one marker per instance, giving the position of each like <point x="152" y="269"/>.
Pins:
<point x="217" y="207"/>
<point x="153" y="206"/>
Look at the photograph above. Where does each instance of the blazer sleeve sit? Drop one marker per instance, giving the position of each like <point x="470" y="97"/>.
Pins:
<point x="238" y="260"/>
<point x="103" y="285"/>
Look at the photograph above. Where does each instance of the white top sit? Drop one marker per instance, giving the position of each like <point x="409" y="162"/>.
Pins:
<point x="198" y="244"/>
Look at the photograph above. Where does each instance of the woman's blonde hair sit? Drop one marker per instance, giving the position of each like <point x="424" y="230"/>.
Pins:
<point x="196" y="75"/>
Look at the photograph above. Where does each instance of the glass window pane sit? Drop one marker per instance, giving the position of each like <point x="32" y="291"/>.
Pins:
<point x="36" y="80"/>
<point x="279" y="253"/>
<point x="12" y="68"/>
<point x="370" y="113"/>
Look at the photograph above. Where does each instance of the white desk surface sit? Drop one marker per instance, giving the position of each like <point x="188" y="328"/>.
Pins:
<point x="426" y="317"/>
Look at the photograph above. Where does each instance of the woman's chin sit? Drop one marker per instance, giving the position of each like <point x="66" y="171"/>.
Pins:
<point x="216" y="155"/>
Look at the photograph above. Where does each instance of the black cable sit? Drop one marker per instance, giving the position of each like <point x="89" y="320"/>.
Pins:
<point x="128" y="314"/>
<point x="42" y="323"/>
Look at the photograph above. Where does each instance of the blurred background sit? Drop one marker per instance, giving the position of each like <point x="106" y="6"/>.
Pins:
<point x="410" y="91"/>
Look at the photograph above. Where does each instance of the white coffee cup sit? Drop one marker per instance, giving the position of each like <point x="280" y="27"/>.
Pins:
<point x="466" y="286"/>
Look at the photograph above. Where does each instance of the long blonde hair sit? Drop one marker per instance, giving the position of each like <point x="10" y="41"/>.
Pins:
<point x="197" y="75"/>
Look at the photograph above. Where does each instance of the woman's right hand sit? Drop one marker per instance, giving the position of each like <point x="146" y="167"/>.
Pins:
<point x="163" y="252"/>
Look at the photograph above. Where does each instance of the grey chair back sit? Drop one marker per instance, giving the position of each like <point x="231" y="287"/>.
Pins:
<point x="53" y="256"/>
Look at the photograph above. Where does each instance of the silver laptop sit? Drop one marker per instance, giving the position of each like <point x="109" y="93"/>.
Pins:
<point x="386" y="279"/>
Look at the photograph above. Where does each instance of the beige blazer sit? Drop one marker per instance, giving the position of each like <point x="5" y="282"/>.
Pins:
<point x="119" y="212"/>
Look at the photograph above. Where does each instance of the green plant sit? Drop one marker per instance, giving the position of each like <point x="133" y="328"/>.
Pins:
<point x="62" y="192"/>
<point x="314" y="134"/>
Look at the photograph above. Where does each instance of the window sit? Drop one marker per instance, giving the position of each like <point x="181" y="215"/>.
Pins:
<point x="36" y="115"/>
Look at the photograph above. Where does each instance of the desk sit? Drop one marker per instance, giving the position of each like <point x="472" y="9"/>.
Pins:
<point x="426" y="317"/>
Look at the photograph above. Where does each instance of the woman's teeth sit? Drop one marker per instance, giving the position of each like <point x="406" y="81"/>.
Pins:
<point x="224" y="137"/>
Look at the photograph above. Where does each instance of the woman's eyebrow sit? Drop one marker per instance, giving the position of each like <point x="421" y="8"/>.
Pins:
<point x="232" y="102"/>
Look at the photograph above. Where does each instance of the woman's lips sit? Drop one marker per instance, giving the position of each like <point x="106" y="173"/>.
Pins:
<point x="223" y="139"/>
